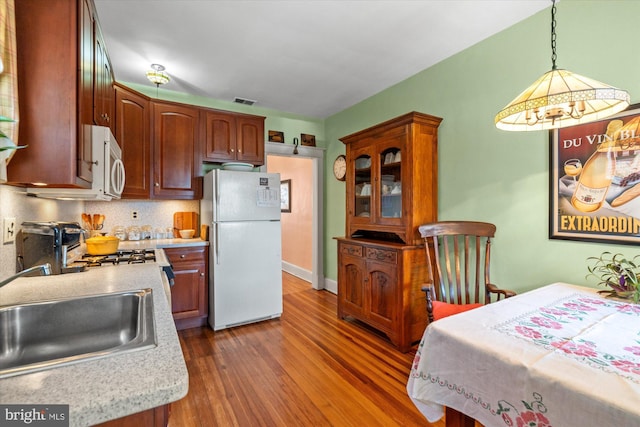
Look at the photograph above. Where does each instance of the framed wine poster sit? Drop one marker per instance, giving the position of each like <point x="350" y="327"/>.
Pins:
<point x="595" y="180"/>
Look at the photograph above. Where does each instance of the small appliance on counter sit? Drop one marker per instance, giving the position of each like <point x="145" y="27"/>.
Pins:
<point x="48" y="242"/>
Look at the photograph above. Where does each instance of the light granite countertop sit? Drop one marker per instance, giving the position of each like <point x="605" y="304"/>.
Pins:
<point x="103" y="389"/>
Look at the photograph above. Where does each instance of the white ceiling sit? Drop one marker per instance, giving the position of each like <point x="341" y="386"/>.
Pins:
<point x="309" y="57"/>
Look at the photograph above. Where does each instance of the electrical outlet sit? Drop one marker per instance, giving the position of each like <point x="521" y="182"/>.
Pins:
<point x="134" y="214"/>
<point x="9" y="230"/>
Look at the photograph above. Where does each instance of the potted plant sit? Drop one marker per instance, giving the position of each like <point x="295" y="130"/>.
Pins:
<point x="620" y="274"/>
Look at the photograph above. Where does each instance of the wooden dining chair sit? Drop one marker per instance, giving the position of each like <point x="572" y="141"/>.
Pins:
<point x="458" y="255"/>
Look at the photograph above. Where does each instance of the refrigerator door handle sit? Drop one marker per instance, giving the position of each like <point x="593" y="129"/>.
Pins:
<point x="216" y="197"/>
<point x="217" y="238"/>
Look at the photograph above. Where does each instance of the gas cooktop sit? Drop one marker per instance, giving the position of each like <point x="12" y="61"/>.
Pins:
<point x="133" y="256"/>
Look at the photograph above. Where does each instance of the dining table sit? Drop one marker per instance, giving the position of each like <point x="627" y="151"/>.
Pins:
<point x="560" y="355"/>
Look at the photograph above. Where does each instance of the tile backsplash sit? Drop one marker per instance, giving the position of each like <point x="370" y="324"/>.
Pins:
<point x="15" y="204"/>
<point x="149" y="212"/>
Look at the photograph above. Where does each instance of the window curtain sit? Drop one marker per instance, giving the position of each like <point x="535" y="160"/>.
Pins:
<point x="8" y="84"/>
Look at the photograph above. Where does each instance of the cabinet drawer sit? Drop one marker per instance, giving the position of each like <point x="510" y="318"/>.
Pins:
<point x="177" y="255"/>
<point x="353" y="250"/>
<point x="382" y="255"/>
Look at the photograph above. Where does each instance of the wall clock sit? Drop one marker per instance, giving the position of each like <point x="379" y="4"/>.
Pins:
<point x="340" y="167"/>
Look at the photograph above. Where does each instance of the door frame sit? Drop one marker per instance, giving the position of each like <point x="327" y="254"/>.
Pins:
<point x="316" y="154"/>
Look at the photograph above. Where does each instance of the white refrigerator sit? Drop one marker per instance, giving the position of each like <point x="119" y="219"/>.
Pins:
<point x="242" y="210"/>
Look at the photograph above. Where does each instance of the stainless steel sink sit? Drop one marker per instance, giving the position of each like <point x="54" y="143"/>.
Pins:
<point x="42" y="335"/>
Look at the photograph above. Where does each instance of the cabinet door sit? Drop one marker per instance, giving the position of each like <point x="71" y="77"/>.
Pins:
<point x="219" y="141"/>
<point x="388" y="188"/>
<point x="359" y="187"/>
<point x="189" y="296"/>
<point x="250" y="140"/>
<point x="185" y="293"/>
<point x="103" y="82"/>
<point x="351" y="286"/>
<point x="175" y="138"/>
<point x="382" y="286"/>
<point x="84" y="153"/>
<point x="132" y="133"/>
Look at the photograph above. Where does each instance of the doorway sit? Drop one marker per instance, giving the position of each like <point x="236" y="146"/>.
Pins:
<point x="279" y="152"/>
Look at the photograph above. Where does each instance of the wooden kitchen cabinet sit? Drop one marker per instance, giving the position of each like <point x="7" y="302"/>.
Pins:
<point x="392" y="178"/>
<point x="176" y="166"/>
<point x="379" y="283"/>
<point x="132" y="131"/>
<point x="155" y="417"/>
<point x="391" y="189"/>
<point x="189" y="294"/>
<point x="163" y="160"/>
<point x="103" y="91"/>
<point x="229" y="137"/>
<point x="56" y="74"/>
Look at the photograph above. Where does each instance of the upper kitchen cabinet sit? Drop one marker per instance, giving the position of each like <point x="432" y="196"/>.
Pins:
<point x="56" y="42"/>
<point x="103" y="95"/>
<point x="132" y="131"/>
<point x="175" y="152"/>
<point x="392" y="178"/>
<point x="229" y="137"/>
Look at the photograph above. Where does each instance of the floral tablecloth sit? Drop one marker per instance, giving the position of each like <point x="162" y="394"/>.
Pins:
<point x="560" y="356"/>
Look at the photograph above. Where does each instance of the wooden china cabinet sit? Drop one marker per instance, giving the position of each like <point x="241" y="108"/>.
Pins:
<point x="392" y="188"/>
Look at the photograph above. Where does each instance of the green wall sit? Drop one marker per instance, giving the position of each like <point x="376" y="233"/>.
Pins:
<point x="491" y="175"/>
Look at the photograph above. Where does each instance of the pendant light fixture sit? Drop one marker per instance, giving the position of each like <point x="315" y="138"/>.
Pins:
<point x="561" y="98"/>
<point x="157" y="76"/>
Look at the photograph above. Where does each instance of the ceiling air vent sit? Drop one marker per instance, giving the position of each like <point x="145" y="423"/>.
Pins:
<point x="244" y="101"/>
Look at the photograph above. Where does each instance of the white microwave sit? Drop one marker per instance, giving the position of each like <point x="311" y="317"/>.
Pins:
<point x="108" y="172"/>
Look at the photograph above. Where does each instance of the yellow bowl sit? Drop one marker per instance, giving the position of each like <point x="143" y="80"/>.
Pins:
<point x="187" y="234"/>
<point x="102" y="245"/>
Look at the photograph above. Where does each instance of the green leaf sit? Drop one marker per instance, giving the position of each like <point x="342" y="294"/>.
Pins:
<point x="13" y="147"/>
<point x="6" y="119"/>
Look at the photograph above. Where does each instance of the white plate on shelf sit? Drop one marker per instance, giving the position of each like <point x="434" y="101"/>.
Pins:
<point x="237" y="166"/>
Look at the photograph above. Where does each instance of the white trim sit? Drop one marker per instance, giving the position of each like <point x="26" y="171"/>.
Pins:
<point x="296" y="271"/>
<point x="317" y="155"/>
<point x="331" y="286"/>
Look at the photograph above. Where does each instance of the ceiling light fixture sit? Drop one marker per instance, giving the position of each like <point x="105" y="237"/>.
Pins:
<point x="561" y="98"/>
<point x="157" y="75"/>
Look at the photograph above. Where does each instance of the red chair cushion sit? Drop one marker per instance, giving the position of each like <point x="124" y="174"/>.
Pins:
<point x="444" y="309"/>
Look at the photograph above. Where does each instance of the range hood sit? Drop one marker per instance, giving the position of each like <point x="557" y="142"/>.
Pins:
<point x="68" y="194"/>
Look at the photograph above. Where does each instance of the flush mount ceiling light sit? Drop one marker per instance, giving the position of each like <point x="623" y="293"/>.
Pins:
<point x="157" y="76"/>
<point x="561" y="98"/>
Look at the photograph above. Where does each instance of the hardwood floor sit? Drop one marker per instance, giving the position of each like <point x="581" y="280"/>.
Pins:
<point x="306" y="369"/>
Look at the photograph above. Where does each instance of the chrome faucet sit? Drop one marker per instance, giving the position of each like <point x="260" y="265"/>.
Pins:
<point x="45" y="268"/>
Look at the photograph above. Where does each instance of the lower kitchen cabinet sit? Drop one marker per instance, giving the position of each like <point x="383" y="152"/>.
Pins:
<point x="379" y="284"/>
<point x="189" y="294"/>
<point x="156" y="417"/>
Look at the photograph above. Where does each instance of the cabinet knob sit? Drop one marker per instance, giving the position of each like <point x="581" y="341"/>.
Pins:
<point x="201" y="274"/>
<point x="157" y="184"/>
<point x="233" y="151"/>
<point x="182" y="256"/>
<point x="239" y="150"/>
